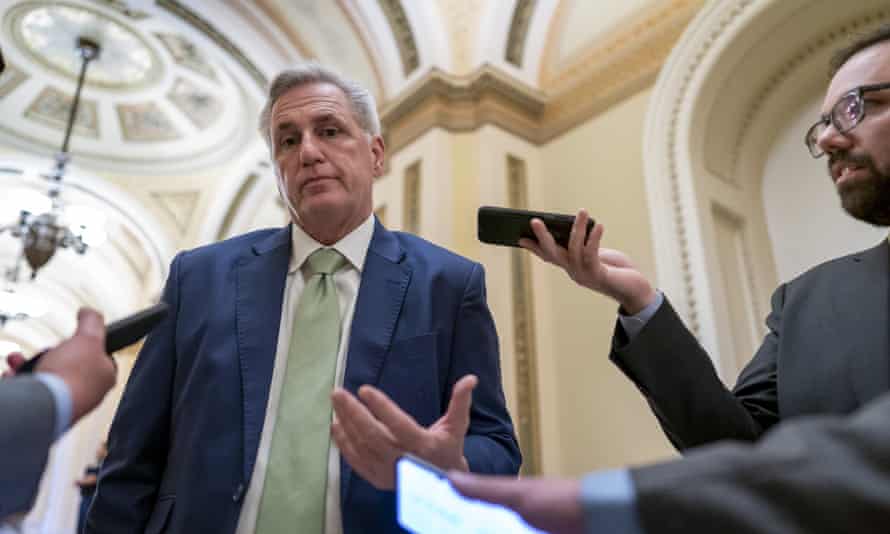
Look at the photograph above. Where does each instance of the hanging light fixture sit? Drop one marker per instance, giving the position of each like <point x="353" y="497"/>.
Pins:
<point x="43" y="230"/>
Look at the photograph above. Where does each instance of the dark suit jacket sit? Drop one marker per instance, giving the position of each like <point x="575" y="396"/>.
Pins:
<point x="826" y="353"/>
<point x="813" y="475"/>
<point x="184" y="440"/>
<point x="27" y="424"/>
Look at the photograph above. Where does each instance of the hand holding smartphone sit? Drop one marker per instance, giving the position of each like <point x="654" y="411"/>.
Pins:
<point x="426" y="503"/>
<point x="505" y="226"/>
<point x="118" y="334"/>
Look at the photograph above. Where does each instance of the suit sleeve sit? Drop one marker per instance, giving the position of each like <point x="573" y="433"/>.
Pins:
<point x="682" y="387"/>
<point x="138" y="440"/>
<point x="814" y="474"/>
<point x="27" y="422"/>
<point x="490" y="446"/>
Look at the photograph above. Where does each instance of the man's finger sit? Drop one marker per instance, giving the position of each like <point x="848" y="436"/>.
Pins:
<point x="90" y="323"/>
<point x="591" y="250"/>
<point x="503" y="490"/>
<point x="458" y="413"/>
<point x="547" y="244"/>
<point x="367" y="437"/>
<point x="15" y="360"/>
<point x="532" y="246"/>
<point x="404" y="429"/>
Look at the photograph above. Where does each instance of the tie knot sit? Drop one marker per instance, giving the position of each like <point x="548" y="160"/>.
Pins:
<point x="325" y="261"/>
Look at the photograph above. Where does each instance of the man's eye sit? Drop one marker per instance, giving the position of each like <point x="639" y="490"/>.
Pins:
<point x="287" y="141"/>
<point x="330" y="131"/>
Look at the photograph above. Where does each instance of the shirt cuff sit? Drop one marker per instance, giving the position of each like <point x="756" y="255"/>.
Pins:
<point x="633" y="324"/>
<point x="609" y="499"/>
<point x="62" y="399"/>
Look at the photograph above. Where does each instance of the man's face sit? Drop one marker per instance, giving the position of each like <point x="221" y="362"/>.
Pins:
<point x="326" y="162"/>
<point x="859" y="160"/>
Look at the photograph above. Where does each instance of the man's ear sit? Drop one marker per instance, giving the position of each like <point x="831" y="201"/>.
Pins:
<point x="378" y="153"/>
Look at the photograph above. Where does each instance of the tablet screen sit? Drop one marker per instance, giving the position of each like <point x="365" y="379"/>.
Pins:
<point x="427" y="504"/>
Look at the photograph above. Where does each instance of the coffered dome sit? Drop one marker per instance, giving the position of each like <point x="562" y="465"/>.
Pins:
<point x="155" y="92"/>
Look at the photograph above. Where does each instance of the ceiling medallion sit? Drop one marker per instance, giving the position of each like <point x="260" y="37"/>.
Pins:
<point x="46" y="32"/>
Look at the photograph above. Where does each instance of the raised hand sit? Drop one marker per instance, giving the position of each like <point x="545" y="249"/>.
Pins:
<point x="373" y="435"/>
<point x="603" y="270"/>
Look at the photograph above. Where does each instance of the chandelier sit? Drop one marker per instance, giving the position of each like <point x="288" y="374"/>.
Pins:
<point x="44" y="230"/>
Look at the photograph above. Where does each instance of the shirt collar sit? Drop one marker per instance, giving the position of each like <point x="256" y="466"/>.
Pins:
<point x="353" y="246"/>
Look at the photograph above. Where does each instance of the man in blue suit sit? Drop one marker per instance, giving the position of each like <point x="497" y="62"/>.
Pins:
<point x="224" y="426"/>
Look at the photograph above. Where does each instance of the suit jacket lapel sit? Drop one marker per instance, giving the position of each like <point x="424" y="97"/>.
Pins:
<point x="863" y="308"/>
<point x="377" y="308"/>
<point x="259" y="286"/>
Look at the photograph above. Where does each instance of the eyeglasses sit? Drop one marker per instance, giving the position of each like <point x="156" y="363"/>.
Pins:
<point x="846" y="113"/>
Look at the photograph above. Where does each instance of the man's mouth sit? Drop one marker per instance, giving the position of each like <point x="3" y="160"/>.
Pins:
<point x="315" y="179"/>
<point x="847" y="172"/>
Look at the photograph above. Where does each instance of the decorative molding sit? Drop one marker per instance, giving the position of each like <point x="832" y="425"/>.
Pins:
<point x="519" y="25"/>
<point x="201" y="107"/>
<point x="11" y="79"/>
<point x="460" y="104"/>
<point x="177" y="8"/>
<point x="411" y="199"/>
<point x="679" y="223"/>
<point x="179" y="205"/>
<point x="401" y="31"/>
<point x="145" y="121"/>
<point x="121" y="7"/>
<point x="51" y="107"/>
<point x="186" y="54"/>
<point x="524" y="339"/>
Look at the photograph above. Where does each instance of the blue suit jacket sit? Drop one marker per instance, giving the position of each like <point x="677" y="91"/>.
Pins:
<point x="185" y="437"/>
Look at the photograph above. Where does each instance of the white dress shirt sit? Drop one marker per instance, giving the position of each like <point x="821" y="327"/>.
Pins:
<point x="354" y="247"/>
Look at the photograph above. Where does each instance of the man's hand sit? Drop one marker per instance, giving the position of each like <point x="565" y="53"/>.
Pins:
<point x="82" y="363"/>
<point x="14" y="360"/>
<point x="553" y="505"/>
<point x="603" y="270"/>
<point x="373" y="435"/>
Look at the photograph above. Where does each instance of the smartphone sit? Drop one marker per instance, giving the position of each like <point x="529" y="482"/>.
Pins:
<point x="505" y="226"/>
<point x="426" y="503"/>
<point x="118" y="334"/>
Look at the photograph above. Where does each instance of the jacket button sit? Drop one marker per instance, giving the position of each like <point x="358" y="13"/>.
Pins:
<point x="239" y="492"/>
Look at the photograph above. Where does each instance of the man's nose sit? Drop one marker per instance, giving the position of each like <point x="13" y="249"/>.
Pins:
<point x="831" y="140"/>
<point x="309" y="151"/>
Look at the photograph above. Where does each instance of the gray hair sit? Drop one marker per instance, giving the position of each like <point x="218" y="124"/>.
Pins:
<point x="362" y="101"/>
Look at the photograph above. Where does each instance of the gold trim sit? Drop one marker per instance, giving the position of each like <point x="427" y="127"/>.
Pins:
<point x="411" y="199"/>
<point x="401" y="31"/>
<point x="518" y="34"/>
<point x="524" y="340"/>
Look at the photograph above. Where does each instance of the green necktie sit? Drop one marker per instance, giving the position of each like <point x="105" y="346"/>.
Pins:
<point x="297" y="473"/>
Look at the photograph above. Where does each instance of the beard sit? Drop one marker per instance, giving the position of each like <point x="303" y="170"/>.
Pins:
<point x="868" y="198"/>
